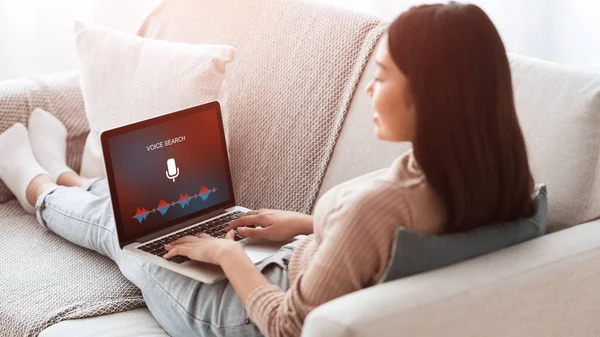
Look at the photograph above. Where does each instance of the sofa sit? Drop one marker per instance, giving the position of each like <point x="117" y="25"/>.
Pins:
<point x="549" y="286"/>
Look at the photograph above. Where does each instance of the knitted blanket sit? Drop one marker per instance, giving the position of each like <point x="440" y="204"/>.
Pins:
<point x="45" y="279"/>
<point x="297" y="66"/>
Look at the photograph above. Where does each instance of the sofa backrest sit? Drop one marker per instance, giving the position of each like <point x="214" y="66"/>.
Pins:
<point x="559" y="111"/>
<point x="296" y="66"/>
<point x="558" y="107"/>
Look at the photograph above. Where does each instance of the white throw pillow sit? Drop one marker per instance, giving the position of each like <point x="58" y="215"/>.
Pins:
<point x="127" y="78"/>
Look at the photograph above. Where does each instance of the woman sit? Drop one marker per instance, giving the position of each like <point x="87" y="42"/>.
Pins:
<point x="443" y="83"/>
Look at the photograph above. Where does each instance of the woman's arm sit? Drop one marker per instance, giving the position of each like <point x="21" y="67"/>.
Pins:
<point x="354" y="247"/>
<point x="229" y="254"/>
<point x="275" y="225"/>
<point x="240" y="271"/>
<point x="353" y="251"/>
<point x="305" y="227"/>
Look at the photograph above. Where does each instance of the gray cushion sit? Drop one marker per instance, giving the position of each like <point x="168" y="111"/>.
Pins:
<point x="416" y="252"/>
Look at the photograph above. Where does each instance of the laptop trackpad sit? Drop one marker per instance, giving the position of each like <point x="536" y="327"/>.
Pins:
<point x="258" y="250"/>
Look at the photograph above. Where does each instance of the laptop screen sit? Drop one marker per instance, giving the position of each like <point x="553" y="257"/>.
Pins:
<point x="167" y="170"/>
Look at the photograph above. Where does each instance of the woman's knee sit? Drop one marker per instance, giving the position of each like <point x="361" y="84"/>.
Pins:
<point x="81" y="218"/>
<point x="97" y="186"/>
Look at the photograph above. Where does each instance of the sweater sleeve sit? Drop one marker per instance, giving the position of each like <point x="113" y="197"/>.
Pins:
<point x="357" y="236"/>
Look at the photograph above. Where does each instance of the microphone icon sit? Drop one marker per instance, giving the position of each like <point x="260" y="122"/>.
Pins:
<point x="172" y="169"/>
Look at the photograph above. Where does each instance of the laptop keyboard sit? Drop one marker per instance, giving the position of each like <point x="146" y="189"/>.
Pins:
<point x="213" y="228"/>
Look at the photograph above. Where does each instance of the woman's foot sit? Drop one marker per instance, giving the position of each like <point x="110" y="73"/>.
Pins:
<point x="71" y="179"/>
<point x="44" y="182"/>
<point x="18" y="166"/>
<point x="37" y="186"/>
<point x="48" y="137"/>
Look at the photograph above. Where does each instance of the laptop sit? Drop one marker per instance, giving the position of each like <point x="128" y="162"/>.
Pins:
<point x="169" y="177"/>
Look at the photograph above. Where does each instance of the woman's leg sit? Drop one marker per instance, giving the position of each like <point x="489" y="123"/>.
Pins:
<point x="182" y="306"/>
<point x="77" y="215"/>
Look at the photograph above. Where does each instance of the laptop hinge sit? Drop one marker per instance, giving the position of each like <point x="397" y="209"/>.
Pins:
<point x="174" y="228"/>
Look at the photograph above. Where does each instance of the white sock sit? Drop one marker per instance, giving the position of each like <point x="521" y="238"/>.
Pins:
<point x="18" y="166"/>
<point x="48" y="138"/>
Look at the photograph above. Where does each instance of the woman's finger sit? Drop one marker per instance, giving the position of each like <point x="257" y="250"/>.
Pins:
<point x="203" y="236"/>
<point x="250" y="232"/>
<point x="182" y="249"/>
<point x="171" y="252"/>
<point x="243" y="221"/>
<point x="183" y="239"/>
<point x="230" y="235"/>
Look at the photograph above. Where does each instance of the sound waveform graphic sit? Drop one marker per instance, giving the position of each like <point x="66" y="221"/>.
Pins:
<point x="141" y="214"/>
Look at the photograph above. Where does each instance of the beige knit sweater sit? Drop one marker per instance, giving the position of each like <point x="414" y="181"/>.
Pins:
<point x="354" y="229"/>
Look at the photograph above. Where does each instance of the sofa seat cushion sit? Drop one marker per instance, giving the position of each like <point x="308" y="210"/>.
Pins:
<point x="416" y="252"/>
<point x="136" y="322"/>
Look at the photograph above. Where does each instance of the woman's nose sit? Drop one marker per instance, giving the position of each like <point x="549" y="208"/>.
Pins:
<point x="369" y="88"/>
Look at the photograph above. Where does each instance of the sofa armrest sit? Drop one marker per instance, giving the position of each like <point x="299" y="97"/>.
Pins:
<point x="59" y="94"/>
<point x="544" y="287"/>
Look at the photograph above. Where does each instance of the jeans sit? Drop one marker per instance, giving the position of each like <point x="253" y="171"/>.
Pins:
<point x="182" y="306"/>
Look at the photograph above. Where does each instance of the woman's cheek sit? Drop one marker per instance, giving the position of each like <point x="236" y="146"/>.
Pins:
<point x="382" y="101"/>
<point x="377" y="101"/>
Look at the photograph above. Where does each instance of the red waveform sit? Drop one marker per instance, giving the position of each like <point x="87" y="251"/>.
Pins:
<point x="183" y="197"/>
<point x="141" y="211"/>
<point x="162" y="203"/>
<point x="203" y="190"/>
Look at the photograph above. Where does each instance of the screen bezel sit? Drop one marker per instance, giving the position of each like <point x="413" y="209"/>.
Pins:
<point x="106" y="135"/>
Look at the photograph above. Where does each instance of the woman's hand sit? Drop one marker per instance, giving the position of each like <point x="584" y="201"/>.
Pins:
<point x="276" y="225"/>
<point x="202" y="247"/>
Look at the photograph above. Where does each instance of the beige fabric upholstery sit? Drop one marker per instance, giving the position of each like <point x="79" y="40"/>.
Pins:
<point x="544" y="287"/>
<point x="559" y="110"/>
<point x="136" y="322"/>
<point x="58" y="94"/>
<point x="295" y="71"/>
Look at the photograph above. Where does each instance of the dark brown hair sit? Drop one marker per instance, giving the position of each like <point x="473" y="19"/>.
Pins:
<point x="467" y="141"/>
